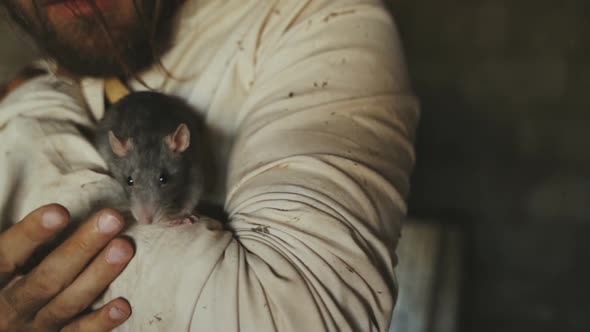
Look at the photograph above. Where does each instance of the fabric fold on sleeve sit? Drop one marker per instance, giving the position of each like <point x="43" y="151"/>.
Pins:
<point x="45" y="157"/>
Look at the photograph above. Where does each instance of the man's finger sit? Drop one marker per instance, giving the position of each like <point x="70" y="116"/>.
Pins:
<point x="63" y="264"/>
<point x="105" y="319"/>
<point x="88" y="286"/>
<point x="18" y="243"/>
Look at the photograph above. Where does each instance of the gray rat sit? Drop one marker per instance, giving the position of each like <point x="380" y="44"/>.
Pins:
<point x="152" y="144"/>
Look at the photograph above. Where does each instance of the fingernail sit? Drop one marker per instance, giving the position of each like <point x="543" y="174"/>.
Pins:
<point x="107" y="223"/>
<point x="13" y="281"/>
<point x="117" y="255"/>
<point x="52" y="220"/>
<point x="116" y="314"/>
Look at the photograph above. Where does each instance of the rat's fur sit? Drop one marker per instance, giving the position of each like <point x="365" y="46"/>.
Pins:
<point x="147" y="118"/>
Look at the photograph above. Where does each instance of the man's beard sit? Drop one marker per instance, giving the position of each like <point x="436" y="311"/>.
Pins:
<point x="103" y="45"/>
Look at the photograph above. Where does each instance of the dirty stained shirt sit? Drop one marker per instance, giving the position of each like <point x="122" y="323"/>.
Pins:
<point x="311" y="120"/>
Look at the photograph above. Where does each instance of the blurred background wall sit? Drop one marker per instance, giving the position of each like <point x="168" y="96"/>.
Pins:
<point x="503" y="151"/>
<point x="15" y="49"/>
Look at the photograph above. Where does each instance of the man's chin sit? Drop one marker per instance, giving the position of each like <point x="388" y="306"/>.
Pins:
<point x="117" y="45"/>
<point x="101" y="59"/>
<point x="71" y="67"/>
<point x="98" y="64"/>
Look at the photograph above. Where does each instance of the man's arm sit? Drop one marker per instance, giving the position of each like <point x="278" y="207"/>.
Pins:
<point x="45" y="156"/>
<point x="322" y="167"/>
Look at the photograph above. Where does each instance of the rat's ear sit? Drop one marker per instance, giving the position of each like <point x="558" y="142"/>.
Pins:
<point x="120" y="147"/>
<point x="179" y="140"/>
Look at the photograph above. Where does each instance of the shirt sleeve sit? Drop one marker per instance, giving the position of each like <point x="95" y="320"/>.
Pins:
<point x="44" y="156"/>
<point x="320" y="169"/>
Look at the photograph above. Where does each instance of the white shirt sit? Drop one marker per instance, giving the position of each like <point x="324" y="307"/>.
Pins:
<point x="313" y="121"/>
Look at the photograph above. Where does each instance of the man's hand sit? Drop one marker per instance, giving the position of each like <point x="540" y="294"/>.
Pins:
<point x="54" y="294"/>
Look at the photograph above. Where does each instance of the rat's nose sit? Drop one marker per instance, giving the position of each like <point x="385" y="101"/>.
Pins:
<point x="144" y="215"/>
<point x="146" y="220"/>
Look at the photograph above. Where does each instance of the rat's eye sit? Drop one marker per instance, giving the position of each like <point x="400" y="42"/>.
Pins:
<point x="163" y="178"/>
<point x="130" y="181"/>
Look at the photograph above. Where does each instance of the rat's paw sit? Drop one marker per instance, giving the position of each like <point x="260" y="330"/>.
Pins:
<point x="184" y="221"/>
<point x="193" y="219"/>
<point x="177" y="222"/>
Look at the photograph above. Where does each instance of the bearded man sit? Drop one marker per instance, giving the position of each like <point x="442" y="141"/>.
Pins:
<point x="311" y="122"/>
